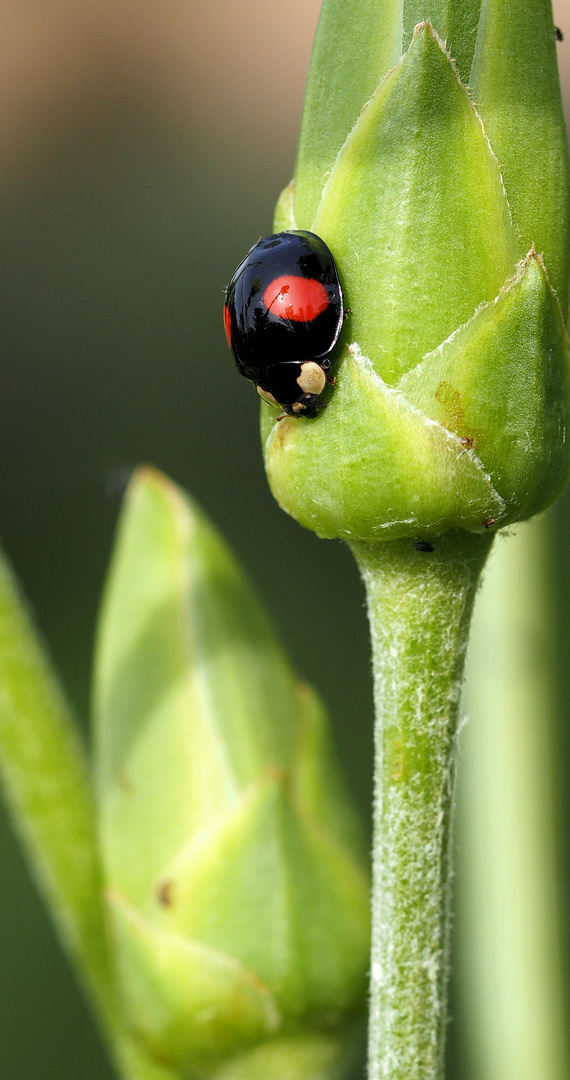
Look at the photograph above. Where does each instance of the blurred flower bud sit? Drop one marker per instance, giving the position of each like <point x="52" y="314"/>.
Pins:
<point x="447" y="215"/>
<point x="237" y="888"/>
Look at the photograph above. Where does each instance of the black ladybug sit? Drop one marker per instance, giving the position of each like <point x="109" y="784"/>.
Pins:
<point x="282" y="316"/>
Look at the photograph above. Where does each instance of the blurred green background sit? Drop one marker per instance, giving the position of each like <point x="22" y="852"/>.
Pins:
<point x="143" y="146"/>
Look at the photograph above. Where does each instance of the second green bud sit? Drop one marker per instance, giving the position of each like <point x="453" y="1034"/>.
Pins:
<point x="236" y="875"/>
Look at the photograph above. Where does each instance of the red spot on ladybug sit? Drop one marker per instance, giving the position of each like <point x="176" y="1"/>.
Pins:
<point x="228" y="325"/>
<point x="296" y="298"/>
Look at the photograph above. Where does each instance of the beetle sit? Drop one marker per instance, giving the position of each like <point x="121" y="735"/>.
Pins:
<point x="283" y="314"/>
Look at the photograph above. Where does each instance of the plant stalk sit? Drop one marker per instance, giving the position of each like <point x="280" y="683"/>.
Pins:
<point x="512" y="964"/>
<point x="419" y="607"/>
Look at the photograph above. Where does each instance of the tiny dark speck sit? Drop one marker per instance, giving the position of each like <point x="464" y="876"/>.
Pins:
<point x="164" y="893"/>
<point x="559" y="34"/>
<point x="424" y="545"/>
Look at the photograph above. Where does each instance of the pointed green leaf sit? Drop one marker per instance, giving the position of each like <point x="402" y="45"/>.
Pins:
<point x="501" y="383"/>
<point x="188" y="1002"/>
<point x="372" y="466"/>
<point x="238" y="902"/>
<point x="246" y="888"/>
<point x="455" y="22"/>
<point x="415" y="213"/>
<point x="355" y="45"/>
<point x="516" y="87"/>
<point x="233" y="1009"/>
<point x="193" y="696"/>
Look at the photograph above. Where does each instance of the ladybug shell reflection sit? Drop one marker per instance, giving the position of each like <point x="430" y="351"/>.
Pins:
<point x="282" y="317"/>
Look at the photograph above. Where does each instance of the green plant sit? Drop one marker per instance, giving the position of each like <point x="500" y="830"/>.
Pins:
<point x="433" y="162"/>
<point x="213" y="893"/>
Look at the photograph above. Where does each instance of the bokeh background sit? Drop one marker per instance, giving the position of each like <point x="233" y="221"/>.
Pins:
<point x="142" y="147"/>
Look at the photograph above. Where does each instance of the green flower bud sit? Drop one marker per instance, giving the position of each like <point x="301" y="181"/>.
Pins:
<point x="447" y="214"/>
<point x="236" y="883"/>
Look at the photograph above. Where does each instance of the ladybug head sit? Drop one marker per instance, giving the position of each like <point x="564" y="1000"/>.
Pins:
<point x="308" y="405"/>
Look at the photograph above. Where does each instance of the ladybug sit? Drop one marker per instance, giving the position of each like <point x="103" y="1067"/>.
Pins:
<point x="283" y="314"/>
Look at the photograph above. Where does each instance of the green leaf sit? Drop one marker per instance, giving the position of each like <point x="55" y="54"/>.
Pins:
<point x="48" y="792"/>
<point x="189" y="1003"/>
<point x="232" y="1007"/>
<point x="516" y="88"/>
<point x="501" y="383"/>
<point x="237" y="885"/>
<point x="455" y="21"/>
<point x="255" y="959"/>
<point x="372" y="466"/>
<point x="317" y="1057"/>
<point x="193" y="696"/>
<point x="312" y="964"/>
<point x="415" y="213"/>
<point x="355" y="45"/>
<point x="284" y="216"/>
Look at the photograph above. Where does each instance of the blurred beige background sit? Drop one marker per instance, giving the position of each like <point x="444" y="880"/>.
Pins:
<point x="235" y="66"/>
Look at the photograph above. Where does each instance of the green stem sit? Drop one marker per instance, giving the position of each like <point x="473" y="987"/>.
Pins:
<point x="513" y="984"/>
<point x="419" y="606"/>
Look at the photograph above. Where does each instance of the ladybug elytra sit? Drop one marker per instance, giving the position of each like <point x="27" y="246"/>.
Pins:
<point x="282" y="316"/>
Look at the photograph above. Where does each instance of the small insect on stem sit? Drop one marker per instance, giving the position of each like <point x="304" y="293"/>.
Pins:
<point x="559" y="34"/>
<point x="488" y="522"/>
<point x="282" y="316"/>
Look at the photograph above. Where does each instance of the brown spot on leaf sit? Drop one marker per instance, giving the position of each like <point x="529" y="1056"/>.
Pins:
<point x="454" y="418"/>
<point x="452" y="409"/>
<point x="164" y="893"/>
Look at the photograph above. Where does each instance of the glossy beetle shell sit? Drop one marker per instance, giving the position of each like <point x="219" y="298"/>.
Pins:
<point x="284" y="306"/>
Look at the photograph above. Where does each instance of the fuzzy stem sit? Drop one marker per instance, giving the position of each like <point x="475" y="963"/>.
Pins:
<point x="419" y="606"/>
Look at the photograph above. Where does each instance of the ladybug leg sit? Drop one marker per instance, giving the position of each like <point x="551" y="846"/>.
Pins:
<point x="347" y="311"/>
<point x="331" y="379"/>
<point x="289" y="410"/>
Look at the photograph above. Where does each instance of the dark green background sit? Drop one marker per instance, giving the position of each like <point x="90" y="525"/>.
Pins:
<point x="118" y="231"/>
